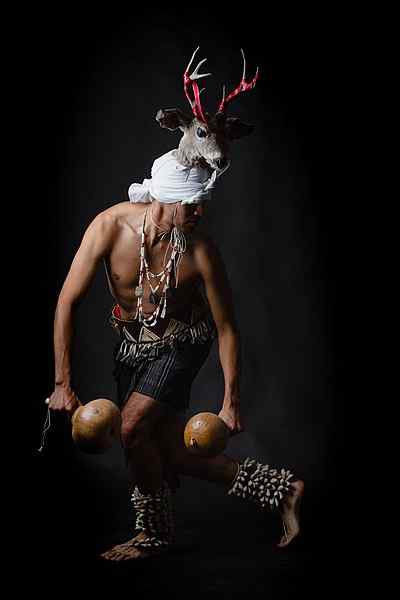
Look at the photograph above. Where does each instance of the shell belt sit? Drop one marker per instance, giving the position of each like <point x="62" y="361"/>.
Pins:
<point x="132" y="351"/>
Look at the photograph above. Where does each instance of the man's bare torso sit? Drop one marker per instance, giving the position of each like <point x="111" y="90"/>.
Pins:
<point x="123" y="265"/>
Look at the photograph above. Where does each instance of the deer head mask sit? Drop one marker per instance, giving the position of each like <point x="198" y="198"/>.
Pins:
<point x="206" y="139"/>
<point x="188" y="174"/>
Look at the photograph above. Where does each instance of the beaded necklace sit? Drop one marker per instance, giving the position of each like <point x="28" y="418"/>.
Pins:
<point x="177" y="242"/>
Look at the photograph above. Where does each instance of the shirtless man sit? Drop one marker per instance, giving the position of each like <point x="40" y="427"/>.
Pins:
<point x="154" y="388"/>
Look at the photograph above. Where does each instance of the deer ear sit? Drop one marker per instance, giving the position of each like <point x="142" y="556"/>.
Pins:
<point x="236" y="129"/>
<point x="172" y="119"/>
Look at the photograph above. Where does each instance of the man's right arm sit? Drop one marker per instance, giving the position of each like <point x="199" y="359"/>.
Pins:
<point x="96" y="243"/>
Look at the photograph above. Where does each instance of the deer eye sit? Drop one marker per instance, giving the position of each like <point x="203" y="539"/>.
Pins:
<point x="201" y="133"/>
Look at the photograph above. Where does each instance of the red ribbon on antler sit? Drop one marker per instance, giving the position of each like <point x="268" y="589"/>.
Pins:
<point x="190" y="80"/>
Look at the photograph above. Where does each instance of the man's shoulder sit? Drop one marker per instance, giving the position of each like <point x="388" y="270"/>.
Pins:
<point x="118" y="215"/>
<point x="202" y="241"/>
<point x="121" y="209"/>
<point x="205" y="249"/>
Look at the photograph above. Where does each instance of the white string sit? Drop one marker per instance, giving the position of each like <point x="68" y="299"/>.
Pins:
<point x="179" y="243"/>
<point x="45" y="429"/>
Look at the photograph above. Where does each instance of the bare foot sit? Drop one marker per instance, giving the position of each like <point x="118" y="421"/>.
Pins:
<point x="117" y="552"/>
<point x="290" y="514"/>
<point x="128" y="551"/>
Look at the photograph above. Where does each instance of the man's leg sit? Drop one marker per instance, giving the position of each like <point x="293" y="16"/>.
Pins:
<point x="140" y="417"/>
<point x="223" y="470"/>
<point x="153" y="438"/>
<point x="220" y="469"/>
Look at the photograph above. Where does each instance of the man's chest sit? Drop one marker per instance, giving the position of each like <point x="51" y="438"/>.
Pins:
<point x="124" y="265"/>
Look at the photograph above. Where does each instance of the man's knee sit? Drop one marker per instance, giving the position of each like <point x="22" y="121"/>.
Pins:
<point x="139" y="418"/>
<point x="135" y="434"/>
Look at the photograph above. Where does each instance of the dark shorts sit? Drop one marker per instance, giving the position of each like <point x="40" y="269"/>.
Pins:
<point x="167" y="379"/>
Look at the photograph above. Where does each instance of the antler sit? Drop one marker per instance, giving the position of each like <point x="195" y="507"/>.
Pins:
<point x="191" y="80"/>
<point x="242" y="87"/>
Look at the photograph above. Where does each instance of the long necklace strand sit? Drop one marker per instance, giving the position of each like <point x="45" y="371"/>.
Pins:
<point x="177" y="242"/>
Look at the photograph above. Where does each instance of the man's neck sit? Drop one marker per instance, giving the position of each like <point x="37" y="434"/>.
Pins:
<point x="158" y="226"/>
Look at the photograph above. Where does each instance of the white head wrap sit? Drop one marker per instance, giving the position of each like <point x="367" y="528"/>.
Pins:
<point x="172" y="182"/>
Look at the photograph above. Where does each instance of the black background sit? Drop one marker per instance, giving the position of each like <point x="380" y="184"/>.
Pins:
<point x="88" y="87"/>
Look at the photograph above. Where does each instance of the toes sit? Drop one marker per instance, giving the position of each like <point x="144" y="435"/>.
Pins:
<point x="116" y="556"/>
<point x="110" y="554"/>
<point x="120" y="553"/>
<point x="286" y="539"/>
<point x="128" y="555"/>
<point x="284" y="542"/>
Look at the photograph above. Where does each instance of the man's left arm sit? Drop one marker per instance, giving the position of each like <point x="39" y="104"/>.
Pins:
<point x="219" y="295"/>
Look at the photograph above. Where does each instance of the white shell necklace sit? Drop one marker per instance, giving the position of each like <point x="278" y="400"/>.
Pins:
<point x="177" y="242"/>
